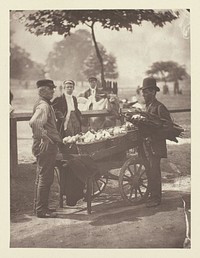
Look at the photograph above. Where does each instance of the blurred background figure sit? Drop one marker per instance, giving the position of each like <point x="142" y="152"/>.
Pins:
<point x="165" y="89"/>
<point x="138" y="90"/>
<point x="176" y="87"/>
<point x="67" y="112"/>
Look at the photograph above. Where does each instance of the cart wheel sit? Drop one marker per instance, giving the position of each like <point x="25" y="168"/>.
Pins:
<point x="133" y="181"/>
<point x="98" y="185"/>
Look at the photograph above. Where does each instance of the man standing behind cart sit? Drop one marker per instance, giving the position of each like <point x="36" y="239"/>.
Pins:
<point x="91" y="92"/>
<point x="156" y="145"/>
<point x="45" y="140"/>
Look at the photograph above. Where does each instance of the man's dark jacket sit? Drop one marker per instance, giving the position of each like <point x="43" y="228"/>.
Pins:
<point x="87" y="93"/>
<point x="159" y="143"/>
<point x="60" y="107"/>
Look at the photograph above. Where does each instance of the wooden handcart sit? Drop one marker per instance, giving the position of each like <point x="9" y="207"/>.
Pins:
<point x="125" y="152"/>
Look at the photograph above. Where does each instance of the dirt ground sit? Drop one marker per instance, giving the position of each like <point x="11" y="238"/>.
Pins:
<point x="113" y="223"/>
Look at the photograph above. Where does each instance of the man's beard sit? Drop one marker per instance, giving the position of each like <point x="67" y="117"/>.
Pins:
<point x="45" y="94"/>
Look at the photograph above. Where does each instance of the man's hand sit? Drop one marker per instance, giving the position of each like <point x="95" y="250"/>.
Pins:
<point x="45" y="141"/>
<point x="44" y="145"/>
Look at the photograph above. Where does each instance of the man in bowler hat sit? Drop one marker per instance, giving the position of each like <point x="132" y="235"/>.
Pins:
<point x="45" y="146"/>
<point x="156" y="146"/>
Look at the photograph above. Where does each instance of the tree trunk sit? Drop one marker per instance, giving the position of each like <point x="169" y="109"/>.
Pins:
<point x="98" y="56"/>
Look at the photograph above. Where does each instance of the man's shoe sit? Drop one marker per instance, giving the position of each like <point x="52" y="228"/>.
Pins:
<point x="46" y="215"/>
<point x="152" y="203"/>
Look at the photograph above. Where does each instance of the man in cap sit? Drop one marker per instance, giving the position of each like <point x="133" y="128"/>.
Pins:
<point x="93" y="88"/>
<point x="93" y="93"/>
<point x="89" y="97"/>
<point x="45" y="140"/>
<point x="156" y="146"/>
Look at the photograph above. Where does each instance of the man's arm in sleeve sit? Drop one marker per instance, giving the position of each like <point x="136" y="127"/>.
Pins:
<point x="38" y="121"/>
<point x="164" y="113"/>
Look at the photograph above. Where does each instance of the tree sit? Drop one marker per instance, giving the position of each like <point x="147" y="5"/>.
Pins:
<point x="68" y="55"/>
<point x="46" y="22"/>
<point x="21" y="65"/>
<point x="79" y="59"/>
<point x="19" y="62"/>
<point x="92" y="66"/>
<point x="168" y="71"/>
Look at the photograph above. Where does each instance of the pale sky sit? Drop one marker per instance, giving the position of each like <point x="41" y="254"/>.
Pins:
<point x="135" y="51"/>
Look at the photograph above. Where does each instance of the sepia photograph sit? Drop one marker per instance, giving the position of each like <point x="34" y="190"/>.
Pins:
<point x="100" y="128"/>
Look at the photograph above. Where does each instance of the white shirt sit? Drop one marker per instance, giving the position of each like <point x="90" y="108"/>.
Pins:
<point x="93" y="91"/>
<point x="70" y="106"/>
<point x="92" y="96"/>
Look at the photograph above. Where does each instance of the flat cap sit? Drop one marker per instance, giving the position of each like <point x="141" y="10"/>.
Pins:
<point x="45" y="82"/>
<point x="90" y="79"/>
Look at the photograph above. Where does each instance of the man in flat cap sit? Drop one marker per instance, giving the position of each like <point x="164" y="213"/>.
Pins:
<point x="45" y="140"/>
<point x="92" y="94"/>
<point x="90" y="97"/>
<point x="93" y="87"/>
<point x="157" y="145"/>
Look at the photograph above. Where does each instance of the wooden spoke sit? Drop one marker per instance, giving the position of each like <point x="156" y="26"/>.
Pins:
<point x="140" y="191"/>
<point x="130" y="171"/>
<point x="140" y="167"/>
<point x="126" y="184"/>
<point x="136" y="193"/>
<point x="144" y="185"/>
<point x="127" y="176"/>
<point x="143" y="177"/>
<point x="131" y="192"/>
<point x="101" y="180"/>
<point x="135" y="168"/>
<point x="137" y="177"/>
<point x="98" y="185"/>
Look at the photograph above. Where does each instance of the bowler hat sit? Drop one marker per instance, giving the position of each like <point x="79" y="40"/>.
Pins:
<point x="92" y="79"/>
<point x="149" y="82"/>
<point x="48" y="83"/>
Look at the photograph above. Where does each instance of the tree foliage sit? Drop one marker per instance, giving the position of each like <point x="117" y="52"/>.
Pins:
<point x="75" y="58"/>
<point x="68" y="55"/>
<point x="47" y="22"/>
<point x="92" y="66"/>
<point x="21" y="65"/>
<point x="168" y="71"/>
